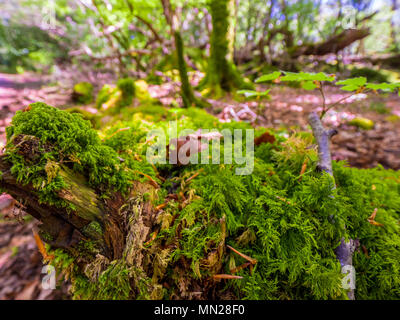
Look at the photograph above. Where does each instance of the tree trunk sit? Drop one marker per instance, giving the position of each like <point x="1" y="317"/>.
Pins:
<point x="186" y="89"/>
<point x="221" y="73"/>
<point x="394" y="44"/>
<point x="187" y="94"/>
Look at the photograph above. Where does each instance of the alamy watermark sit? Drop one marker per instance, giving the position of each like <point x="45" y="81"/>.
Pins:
<point x="49" y="280"/>
<point x="349" y="280"/>
<point x="202" y="147"/>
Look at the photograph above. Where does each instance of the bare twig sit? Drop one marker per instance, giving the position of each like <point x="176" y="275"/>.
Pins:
<point x="322" y="136"/>
<point x="344" y="252"/>
<point x="251" y="260"/>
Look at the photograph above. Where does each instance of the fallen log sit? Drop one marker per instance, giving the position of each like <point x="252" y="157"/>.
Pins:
<point x="334" y="44"/>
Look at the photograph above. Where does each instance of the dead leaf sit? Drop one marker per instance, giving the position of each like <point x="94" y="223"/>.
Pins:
<point x="264" y="138"/>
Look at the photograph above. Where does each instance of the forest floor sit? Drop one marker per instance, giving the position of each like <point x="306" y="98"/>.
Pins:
<point x="20" y="261"/>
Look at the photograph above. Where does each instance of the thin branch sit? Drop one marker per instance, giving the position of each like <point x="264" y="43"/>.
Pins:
<point x="344" y="252"/>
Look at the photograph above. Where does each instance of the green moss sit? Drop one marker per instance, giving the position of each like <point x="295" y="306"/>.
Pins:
<point x="362" y="123"/>
<point x="393" y="118"/>
<point x="221" y="74"/>
<point x="93" y="229"/>
<point x="380" y="107"/>
<point x="114" y="98"/>
<point x="93" y="118"/>
<point x="83" y="92"/>
<point x="103" y="95"/>
<point x="63" y="137"/>
<point x="141" y="91"/>
<point x="127" y="87"/>
<point x="272" y="215"/>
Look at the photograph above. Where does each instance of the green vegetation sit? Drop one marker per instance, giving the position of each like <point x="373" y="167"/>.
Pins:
<point x="83" y="92"/>
<point x="221" y="73"/>
<point x="362" y="123"/>
<point x="272" y="215"/>
<point x="371" y="74"/>
<point x="120" y="226"/>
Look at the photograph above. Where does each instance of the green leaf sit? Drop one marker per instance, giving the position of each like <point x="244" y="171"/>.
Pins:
<point x="308" y="85"/>
<point x="382" y="86"/>
<point x="269" y="77"/>
<point x="252" y="93"/>
<point x="359" y="82"/>
<point x="304" y="76"/>
<point x="350" y="88"/>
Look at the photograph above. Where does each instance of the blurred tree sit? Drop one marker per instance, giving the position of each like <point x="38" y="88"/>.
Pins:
<point x="393" y="32"/>
<point x="221" y="73"/>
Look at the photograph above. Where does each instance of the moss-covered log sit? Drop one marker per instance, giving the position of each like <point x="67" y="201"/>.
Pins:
<point x="120" y="228"/>
<point x="61" y="227"/>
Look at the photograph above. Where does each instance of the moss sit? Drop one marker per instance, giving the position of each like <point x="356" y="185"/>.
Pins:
<point x="93" y="118"/>
<point x="380" y="107"/>
<point x="62" y="136"/>
<point x="393" y="118"/>
<point x="93" y="229"/>
<point x="115" y="98"/>
<point x="127" y="87"/>
<point x="271" y="215"/>
<point x="103" y="95"/>
<point x="362" y="123"/>
<point x="83" y="92"/>
<point x="141" y="91"/>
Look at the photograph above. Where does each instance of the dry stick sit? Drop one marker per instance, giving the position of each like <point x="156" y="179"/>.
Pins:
<point x="242" y="266"/>
<point x="344" y="252"/>
<point x="246" y="257"/>
<point x="151" y="180"/>
<point x="40" y="245"/>
<point x="303" y="168"/>
<point x="226" y="276"/>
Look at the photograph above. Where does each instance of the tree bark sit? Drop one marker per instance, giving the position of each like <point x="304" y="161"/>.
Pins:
<point x="221" y="74"/>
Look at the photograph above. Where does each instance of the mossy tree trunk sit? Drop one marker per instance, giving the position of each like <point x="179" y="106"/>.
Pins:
<point x="187" y="93"/>
<point x="221" y="74"/>
<point x="186" y="89"/>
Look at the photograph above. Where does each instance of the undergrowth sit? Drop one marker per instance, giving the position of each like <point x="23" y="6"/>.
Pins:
<point x="275" y="215"/>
